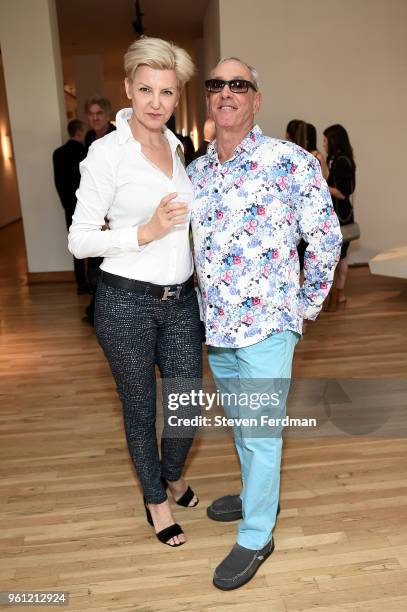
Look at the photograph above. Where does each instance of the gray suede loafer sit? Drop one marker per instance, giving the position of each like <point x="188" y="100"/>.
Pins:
<point x="240" y="566"/>
<point x="227" y="508"/>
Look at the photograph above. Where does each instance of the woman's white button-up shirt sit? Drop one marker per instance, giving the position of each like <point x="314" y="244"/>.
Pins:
<point x="120" y="184"/>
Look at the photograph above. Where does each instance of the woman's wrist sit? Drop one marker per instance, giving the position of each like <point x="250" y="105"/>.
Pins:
<point x="144" y="234"/>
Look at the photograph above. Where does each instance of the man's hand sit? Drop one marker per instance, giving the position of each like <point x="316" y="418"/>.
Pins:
<point x="336" y="193"/>
<point x="166" y="216"/>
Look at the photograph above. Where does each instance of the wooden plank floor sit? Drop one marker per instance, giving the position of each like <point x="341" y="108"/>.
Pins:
<point x="71" y="515"/>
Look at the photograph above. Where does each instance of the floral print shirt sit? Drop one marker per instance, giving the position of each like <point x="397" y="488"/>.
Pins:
<point x="247" y="217"/>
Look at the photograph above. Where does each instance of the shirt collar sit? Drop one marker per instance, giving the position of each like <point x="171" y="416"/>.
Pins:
<point x="124" y="131"/>
<point x="249" y="143"/>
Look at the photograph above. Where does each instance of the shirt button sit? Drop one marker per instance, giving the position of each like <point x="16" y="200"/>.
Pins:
<point x="210" y="305"/>
<point x="208" y="248"/>
<point x="209" y="218"/>
<point x="208" y="276"/>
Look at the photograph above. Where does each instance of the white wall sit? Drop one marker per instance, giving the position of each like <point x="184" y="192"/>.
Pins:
<point x="32" y="69"/>
<point x="329" y="62"/>
<point x="211" y="36"/>
<point x="9" y="199"/>
<point x="88" y="81"/>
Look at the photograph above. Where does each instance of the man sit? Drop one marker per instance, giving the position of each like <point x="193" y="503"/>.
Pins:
<point x="98" y="110"/>
<point x="66" y="160"/>
<point x="255" y="197"/>
<point x="209" y="132"/>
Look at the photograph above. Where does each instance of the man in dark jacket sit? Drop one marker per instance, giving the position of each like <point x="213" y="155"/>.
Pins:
<point x="66" y="160"/>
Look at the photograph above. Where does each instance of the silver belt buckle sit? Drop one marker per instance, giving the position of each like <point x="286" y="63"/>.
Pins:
<point x="168" y="293"/>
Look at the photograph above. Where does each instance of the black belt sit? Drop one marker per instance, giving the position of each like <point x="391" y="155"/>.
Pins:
<point x="160" y="291"/>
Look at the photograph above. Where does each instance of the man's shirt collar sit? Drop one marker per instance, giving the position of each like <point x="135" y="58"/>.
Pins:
<point x="249" y="143"/>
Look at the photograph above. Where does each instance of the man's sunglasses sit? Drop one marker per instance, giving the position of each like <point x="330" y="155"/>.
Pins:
<point x="235" y="85"/>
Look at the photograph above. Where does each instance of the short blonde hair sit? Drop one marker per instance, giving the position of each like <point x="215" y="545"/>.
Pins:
<point x="160" y="55"/>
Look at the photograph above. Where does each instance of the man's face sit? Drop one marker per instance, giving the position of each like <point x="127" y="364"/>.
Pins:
<point x="233" y="111"/>
<point x="97" y="118"/>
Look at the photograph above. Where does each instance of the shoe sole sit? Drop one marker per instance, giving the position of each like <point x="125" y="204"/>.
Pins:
<point x="246" y="580"/>
<point x="224" y="518"/>
<point x="228" y="517"/>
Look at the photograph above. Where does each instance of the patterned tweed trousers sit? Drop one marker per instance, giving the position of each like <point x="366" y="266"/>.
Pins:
<point x="136" y="332"/>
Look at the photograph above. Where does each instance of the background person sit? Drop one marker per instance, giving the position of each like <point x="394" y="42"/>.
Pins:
<point x="342" y="182"/>
<point x="146" y="307"/>
<point x="291" y="129"/>
<point x="311" y="146"/>
<point x="66" y="160"/>
<point x="98" y="110"/>
<point x="209" y="133"/>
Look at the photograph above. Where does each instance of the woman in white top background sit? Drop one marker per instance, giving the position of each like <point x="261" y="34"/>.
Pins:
<point x="146" y="305"/>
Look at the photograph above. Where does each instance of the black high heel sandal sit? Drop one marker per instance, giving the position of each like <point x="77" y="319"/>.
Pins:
<point x="148" y="513"/>
<point x="170" y="532"/>
<point x="165" y="534"/>
<point x="185" y="499"/>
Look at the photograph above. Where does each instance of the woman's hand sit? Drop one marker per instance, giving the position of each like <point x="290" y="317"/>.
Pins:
<point x="166" y="216"/>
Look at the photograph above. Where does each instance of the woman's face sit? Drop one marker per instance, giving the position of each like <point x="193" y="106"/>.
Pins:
<point x="325" y="144"/>
<point x="154" y="94"/>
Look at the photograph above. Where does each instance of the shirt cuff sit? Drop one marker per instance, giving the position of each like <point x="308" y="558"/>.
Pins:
<point x="311" y="312"/>
<point x="126" y="239"/>
<point x="309" y="309"/>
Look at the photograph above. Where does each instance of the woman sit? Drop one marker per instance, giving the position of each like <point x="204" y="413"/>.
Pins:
<point x="341" y="182"/>
<point x="311" y="146"/>
<point x="293" y="130"/>
<point x="146" y="306"/>
<point x="305" y="135"/>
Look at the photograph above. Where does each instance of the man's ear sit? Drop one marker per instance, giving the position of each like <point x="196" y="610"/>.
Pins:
<point x="208" y="107"/>
<point x="257" y="102"/>
<point x="127" y="87"/>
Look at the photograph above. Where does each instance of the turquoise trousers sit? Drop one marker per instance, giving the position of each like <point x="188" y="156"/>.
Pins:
<point x="265" y="367"/>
